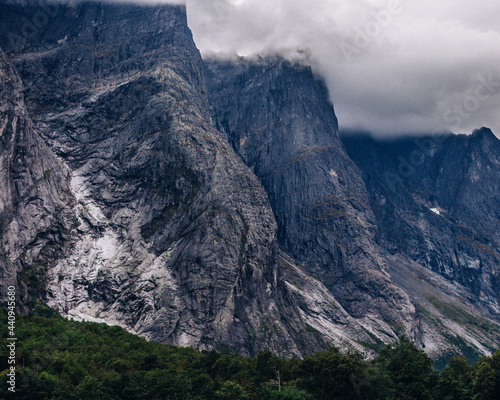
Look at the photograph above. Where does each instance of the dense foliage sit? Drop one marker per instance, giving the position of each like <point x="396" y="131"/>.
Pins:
<point x="60" y="359"/>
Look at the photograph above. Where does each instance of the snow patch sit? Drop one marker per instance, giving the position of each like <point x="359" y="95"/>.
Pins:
<point x="63" y="40"/>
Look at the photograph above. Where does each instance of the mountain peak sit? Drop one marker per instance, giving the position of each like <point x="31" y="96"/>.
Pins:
<point x="484" y="132"/>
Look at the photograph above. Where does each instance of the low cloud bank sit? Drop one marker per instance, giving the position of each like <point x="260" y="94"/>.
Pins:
<point x="392" y="66"/>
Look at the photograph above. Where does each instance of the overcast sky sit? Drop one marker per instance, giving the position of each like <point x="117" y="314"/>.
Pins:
<point x="391" y="66"/>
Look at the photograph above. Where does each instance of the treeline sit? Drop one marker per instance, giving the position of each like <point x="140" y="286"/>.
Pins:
<point x="59" y="359"/>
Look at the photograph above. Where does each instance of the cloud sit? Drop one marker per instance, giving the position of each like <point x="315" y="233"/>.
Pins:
<point x="391" y="66"/>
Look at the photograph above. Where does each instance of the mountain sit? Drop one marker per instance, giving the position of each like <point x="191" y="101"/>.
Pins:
<point x="278" y="117"/>
<point x="280" y="121"/>
<point x="213" y="203"/>
<point x="170" y="235"/>
<point x="35" y="198"/>
<point x="436" y="199"/>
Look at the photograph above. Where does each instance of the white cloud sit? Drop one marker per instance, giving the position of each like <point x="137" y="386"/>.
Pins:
<point x="390" y="66"/>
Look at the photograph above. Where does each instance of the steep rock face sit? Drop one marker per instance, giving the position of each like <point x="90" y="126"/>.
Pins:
<point x="173" y="236"/>
<point x="169" y="243"/>
<point x="121" y="203"/>
<point x="437" y="201"/>
<point x="279" y="120"/>
<point x="35" y="200"/>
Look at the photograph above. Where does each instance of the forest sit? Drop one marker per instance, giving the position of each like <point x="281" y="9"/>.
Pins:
<point x="60" y="359"/>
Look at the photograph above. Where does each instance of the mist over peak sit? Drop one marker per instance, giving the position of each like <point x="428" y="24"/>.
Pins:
<point x="389" y="65"/>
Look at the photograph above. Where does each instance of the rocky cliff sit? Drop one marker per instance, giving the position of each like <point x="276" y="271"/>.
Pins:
<point x="35" y="198"/>
<point x="280" y="121"/>
<point x="436" y="199"/>
<point x="213" y="204"/>
<point x="381" y="257"/>
<point x="171" y="235"/>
